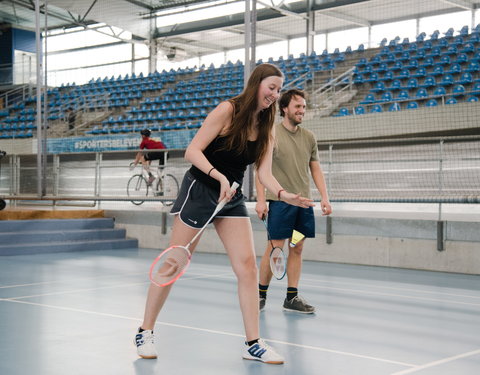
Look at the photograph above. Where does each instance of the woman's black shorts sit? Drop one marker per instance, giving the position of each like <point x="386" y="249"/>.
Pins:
<point x="196" y="202"/>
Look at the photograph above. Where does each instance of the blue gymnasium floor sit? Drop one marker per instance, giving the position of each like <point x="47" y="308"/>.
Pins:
<point x="76" y="313"/>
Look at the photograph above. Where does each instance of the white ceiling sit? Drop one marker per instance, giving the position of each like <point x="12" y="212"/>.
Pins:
<point x="223" y="33"/>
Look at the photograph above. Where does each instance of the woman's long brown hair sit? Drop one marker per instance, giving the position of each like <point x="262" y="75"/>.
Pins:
<point x="245" y="106"/>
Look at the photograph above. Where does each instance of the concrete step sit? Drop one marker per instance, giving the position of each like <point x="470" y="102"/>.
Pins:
<point x="36" y="237"/>
<point x="69" y="246"/>
<point x="54" y="224"/>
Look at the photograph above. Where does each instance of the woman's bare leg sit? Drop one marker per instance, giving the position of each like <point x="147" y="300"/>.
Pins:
<point x="156" y="297"/>
<point x="236" y="235"/>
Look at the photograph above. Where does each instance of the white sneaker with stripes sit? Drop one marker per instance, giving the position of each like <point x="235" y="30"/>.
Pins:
<point x="145" y="344"/>
<point x="262" y="352"/>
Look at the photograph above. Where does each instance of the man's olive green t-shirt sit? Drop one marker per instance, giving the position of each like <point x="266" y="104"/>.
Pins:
<point x="292" y="154"/>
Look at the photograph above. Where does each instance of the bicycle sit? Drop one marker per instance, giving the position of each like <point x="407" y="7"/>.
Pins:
<point x="165" y="185"/>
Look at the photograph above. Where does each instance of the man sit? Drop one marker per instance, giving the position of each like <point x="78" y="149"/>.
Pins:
<point x="295" y="157"/>
<point x="146" y="158"/>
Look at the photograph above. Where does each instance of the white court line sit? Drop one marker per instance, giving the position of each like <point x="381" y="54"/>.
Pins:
<point x="216" y="332"/>
<point x="436" y="363"/>
<point x="393" y="295"/>
<point x="200" y="276"/>
<point x="204" y="269"/>
<point x="435" y="292"/>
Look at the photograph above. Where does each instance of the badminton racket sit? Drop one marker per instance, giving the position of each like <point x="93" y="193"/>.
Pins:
<point x="278" y="260"/>
<point x="174" y="261"/>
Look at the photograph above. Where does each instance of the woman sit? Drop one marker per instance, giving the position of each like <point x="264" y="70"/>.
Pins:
<point x="238" y="132"/>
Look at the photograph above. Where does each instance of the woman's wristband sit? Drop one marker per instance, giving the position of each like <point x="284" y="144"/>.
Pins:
<point x="280" y="192"/>
<point x="210" y="171"/>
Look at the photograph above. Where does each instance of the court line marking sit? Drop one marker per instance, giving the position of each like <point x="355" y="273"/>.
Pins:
<point x="199" y="276"/>
<point x="436" y="363"/>
<point x="436" y="292"/>
<point x="228" y="275"/>
<point x="217" y="332"/>
<point x="204" y="269"/>
<point x="393" y="295"/>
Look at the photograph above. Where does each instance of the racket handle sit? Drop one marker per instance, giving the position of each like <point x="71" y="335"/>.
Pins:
<point x="223" y="202"/>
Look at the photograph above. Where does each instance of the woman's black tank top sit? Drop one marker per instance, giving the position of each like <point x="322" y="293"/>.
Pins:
<point x="228" y="162"/>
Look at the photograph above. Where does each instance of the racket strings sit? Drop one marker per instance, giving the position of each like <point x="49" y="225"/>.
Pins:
<point x="171" y="265"/>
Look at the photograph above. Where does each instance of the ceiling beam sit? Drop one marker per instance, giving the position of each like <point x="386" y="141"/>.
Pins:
<point x="282" y="11"/>
<point x="464" y="4"/>
<point x="344" y="17"/>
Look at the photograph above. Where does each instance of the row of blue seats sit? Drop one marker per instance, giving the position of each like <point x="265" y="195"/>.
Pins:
<point x="415" y="63"/>
<point x="397" y="106"/>
<point x="412" y="67"/>
<point x="156" y="116"/>
<point x="16" y="134"/>
<point x="17" y="125"/>
<point x="422" y="93"/>
<point x="116" y="129"/>
<point x="430" y="80"/>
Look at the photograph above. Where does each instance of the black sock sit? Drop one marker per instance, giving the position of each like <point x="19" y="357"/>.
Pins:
<point x="150" y="174"/>
<point x="262" y="290"/>
<point x="250" y="343"/>
<point x="291" y="293"/>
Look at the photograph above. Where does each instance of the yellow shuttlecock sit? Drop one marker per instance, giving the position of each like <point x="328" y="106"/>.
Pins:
<point x="296" y="237"/>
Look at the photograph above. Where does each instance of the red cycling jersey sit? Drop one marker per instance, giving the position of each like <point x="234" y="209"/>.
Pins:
<point x="151" y="144"/>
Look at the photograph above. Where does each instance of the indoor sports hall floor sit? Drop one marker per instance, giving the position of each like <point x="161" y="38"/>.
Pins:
<point x="76" y="313"/>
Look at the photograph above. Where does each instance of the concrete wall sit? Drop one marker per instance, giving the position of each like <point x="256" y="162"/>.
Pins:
<point x="403" y="243"/>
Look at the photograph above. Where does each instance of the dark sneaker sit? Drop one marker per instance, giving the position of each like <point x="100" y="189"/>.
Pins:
<point x="260" y="351"/>
<point x="298" y="304"/>
<point x="262" y="303"/>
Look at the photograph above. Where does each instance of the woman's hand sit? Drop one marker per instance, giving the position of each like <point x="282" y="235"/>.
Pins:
<point x="225" y="189"/>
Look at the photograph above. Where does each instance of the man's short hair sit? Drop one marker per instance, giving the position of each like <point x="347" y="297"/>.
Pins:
<point x="287" y="97"/>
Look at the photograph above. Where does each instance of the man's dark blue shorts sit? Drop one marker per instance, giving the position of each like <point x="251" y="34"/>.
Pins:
<point x="283" y="218"/>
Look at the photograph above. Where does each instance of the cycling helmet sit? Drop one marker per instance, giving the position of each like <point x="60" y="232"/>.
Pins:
<point x="146" y="132"/>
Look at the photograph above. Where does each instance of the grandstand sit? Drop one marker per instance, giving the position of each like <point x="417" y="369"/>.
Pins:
<point x="393" y="98"/>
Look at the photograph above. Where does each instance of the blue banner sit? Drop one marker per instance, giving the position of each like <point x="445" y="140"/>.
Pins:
<point x="173" y="139"/>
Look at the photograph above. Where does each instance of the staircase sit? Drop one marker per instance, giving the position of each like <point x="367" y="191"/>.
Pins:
<point x="22" y="237"/>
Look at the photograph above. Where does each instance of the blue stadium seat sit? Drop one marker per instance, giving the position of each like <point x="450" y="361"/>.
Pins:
<point x="427" y="62"/>
<point x="472" y="99"/>
<point x="420" y="72"/>
<point x="458" y="90"/>
<point x="377" y="108"/>
<point x="431" y="103"/>
<point x="421" y="93"/>
<point x="455" y="68"/>
<point x="447" y="80"/>
<point x="343" y="112"/>
<point x="465" y="79"/>
<point x="451" y="101"/>
<point x="359" y="110"/>
<point x="378" y="87"/>
<point x="429" y="82"/>
<point x="412" y="84"/>
<point x="396" y="85"/>
<point x="403" y="95"/>
<point x="440" y="91"/>
<point x="473" y="67"/>
<point x="437" y="70"/>
<point x="394" y="107"/>
<point x="476" y="88"/>
<point x="388" y="76"/>
<point x="369" y="98"/>
<point x="412" y="105"/>
<point x="386" y="97"/>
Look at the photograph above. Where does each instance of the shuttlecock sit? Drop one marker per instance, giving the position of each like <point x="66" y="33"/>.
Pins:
<point x="296" y="237"/>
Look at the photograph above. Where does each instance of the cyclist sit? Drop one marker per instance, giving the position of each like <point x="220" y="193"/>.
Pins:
<point x="146" y="158"/>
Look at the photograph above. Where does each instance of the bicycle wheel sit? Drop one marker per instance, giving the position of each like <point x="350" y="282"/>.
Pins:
<point x="167" y="187"/>
<point x="137" y="188"/>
